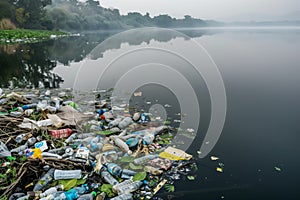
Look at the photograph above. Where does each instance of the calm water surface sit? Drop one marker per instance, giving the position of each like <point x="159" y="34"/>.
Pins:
<point x="260" y="69"/>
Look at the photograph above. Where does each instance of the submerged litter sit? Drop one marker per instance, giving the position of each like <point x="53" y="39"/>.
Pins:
<point x="51" y="149"/>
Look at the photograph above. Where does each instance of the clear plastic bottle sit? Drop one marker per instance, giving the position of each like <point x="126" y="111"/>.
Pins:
<point x="86" y="197"/>
<point x="120" y="185"/>
<point x="45" y="180"/>
<point x="129" y="187"/>
<point x="67" y="174"/>
<point x="19" y="149"/>
<point x="108" y="178"/>
<point x="19" y="138"/>
<point x="3" y="101"/>
<point x="125" y="122"/>
<point x="51" y="190"/>
<point x="127" y="196"/>
<point x="16" y="196"/>
<point x="144" y="159"/>
<point x="114" y="122"/>
<point x="121" y="144"/>
<point x="55" y="195"/>
<point x="113" y="169"/>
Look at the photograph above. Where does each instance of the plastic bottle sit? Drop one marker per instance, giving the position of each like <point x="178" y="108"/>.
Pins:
<point x="55" y="195"/>
<point x="31" y="141"/>
<point x="136" y="117"/>
<point x="71" y="138"/>
<point x="16" y="114"/>
<point x="127" y="196"/>
<point x="148" y="138"/>
<point x="121" y="144"/>
<point x="44" y="123"/>
<point x="130" y="187"/>
<point x="108" y="178"/>
<point x="53" y="155"/>
<point x="4" y="101"/>
<point x="86" y="197"/>
<point x="62" y="133"/>
<point x="49" y="191"/>
<point x="116" y="187"/>
<point x="51" y="109"/>
<point x="67" y="174"/>
<point x="45" y="180"/>
<point x="114" y="122"/>
<point x="16" y="196"/>
<point x="73" y="193"/>
<point x="23" y="197"/>
<point x="19" y="138"/>
<point x="19" y="149"/>
<point x="125" y="122"/>
<point x="29" y="106"/>
<point x="113" y="169"/>
<point x="144" y="159"/>
<point x="57" y="104"/>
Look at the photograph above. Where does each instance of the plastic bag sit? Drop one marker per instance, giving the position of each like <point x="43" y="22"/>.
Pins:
<point x="4" y="152"/>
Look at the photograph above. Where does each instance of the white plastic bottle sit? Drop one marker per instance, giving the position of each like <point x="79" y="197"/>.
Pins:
<point x="67" y="174"/>
<point x="127" y="196"/>
<point x="144" y="159"/>
<point x="125" y="122"/>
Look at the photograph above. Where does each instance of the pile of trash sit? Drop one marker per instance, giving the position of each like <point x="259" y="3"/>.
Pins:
<point x="51" y="149"/>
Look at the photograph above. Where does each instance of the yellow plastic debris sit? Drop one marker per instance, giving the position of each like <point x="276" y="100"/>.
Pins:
<point x="37" y="153"/>
<point x="172" y="153"/>
<point x="219" y="169"/>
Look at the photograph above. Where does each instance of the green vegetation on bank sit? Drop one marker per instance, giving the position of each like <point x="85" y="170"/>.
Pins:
<point x="27" y="36"/>
<point x="82" y="15"/>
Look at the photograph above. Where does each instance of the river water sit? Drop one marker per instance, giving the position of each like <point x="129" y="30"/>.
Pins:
<point x="259" y="68"/>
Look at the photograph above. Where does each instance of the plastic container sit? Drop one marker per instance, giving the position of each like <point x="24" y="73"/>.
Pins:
<point x="67" y="174"/>
<point x="45" y="180"/>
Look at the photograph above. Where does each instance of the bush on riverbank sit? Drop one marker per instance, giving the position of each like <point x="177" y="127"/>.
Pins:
<point x="23" y="35"/>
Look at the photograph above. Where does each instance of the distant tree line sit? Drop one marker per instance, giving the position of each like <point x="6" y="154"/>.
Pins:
<point x="81" y="15"/>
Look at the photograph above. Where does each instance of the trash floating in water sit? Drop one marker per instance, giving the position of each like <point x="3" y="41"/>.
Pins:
<point x="219" y="169"/>
<point x="278" y="169"/>
<point x="53" y="150"/>
<point x="213" y="158"/>
<point x="137" y="94"/>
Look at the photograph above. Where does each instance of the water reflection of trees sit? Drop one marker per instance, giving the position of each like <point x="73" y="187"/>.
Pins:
<point x="27" y="66"/>
<point x="31" y="64"/>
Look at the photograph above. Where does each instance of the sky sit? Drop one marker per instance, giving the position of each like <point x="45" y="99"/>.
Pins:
<point x="225" y="10"/>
